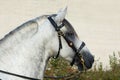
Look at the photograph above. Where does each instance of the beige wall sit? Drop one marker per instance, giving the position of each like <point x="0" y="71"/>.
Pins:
<point x="96" y="21"/>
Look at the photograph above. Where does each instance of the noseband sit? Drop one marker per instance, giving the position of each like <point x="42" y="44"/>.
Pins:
<point x="69" y="42"/>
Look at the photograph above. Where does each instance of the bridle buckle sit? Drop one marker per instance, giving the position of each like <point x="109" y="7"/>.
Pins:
<point x="60" y="33"/>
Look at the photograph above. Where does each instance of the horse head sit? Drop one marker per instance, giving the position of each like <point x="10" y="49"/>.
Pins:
<point x="67" y="44"/>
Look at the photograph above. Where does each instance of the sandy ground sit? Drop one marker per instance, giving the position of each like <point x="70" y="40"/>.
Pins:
<point x="96" y="21"/>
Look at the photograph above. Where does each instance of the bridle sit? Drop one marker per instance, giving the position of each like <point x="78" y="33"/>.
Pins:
<point x="69" y="42"/>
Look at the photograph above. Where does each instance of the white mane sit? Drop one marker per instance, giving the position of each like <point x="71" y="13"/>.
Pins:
<point x="24" y="31"/>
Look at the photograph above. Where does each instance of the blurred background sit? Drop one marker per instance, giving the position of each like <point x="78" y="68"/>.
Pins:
<point x="95" y="21"/>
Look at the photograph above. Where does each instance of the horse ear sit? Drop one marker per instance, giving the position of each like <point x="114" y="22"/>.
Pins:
<point x="61" y="15"/>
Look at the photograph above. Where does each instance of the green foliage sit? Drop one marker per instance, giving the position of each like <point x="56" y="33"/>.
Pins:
<point x="113" y="61"/>
<point x="60" y="67"/>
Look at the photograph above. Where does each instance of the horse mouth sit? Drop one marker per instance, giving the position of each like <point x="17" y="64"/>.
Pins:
<point x="81" y="67"/>
<point x="85" y="65"/>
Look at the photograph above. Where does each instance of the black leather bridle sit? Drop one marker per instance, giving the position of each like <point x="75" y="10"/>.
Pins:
<point x="70" y="43"/>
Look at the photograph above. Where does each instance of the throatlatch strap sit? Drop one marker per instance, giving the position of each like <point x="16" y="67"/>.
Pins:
<point x="60" y="47"/>
<point x="57" y="28"/>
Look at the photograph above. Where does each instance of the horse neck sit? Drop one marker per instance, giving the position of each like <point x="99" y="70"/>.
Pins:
<point x="27" y="58"/>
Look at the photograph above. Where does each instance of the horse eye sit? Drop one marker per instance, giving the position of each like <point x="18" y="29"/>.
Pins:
<point x="70" y="34"/>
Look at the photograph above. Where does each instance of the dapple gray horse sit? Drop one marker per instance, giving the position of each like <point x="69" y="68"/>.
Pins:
<point x="26" y="50"/>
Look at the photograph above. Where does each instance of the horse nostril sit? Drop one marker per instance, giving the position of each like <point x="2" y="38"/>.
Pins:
<point x="89" y="61"/>
<point x="92" y="60"/>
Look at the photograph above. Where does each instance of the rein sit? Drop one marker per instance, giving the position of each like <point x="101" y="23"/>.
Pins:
<point x="18" y="75"/>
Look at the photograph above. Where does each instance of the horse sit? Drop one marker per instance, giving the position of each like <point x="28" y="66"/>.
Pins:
<point x="25" y="51"/>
